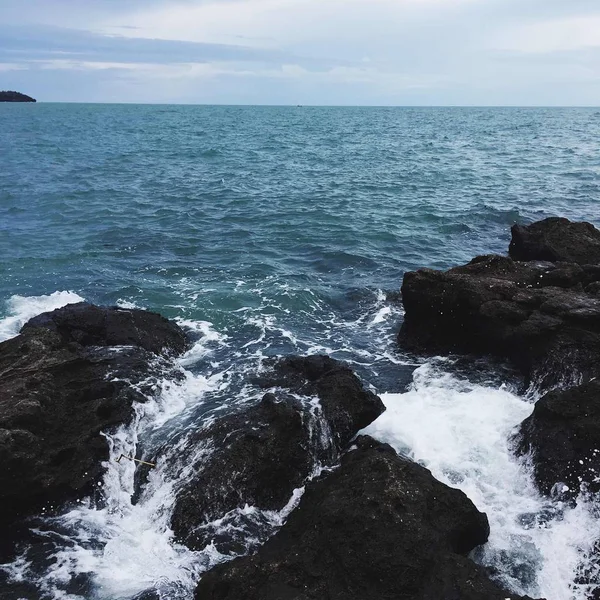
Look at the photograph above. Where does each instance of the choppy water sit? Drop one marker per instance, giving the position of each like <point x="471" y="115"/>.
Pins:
<point x="276" y="230"/>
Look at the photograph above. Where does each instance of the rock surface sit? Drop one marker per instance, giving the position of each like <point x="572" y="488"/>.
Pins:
<point x="542" y="312"/>
<point x="65" y="379"/>
<point x="564" y="435"/>
<point x="15" y="97"/>
<point x="556" y="240"/>
<point x="380" y="527"/>
<point x="346" y="405"/>
<point x="259" y="455"/>
<point x="544" y="317"/>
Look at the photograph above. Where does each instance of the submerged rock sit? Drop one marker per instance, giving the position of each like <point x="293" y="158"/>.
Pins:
<point x="379" y="527"/>
<point x="563" y="436"/>
<point x="556" y="240"/>
<point x="260" y="455"/>
<point x="68" y="377"/>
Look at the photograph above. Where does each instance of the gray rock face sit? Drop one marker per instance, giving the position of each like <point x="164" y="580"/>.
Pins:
<point x="259" y="455"/>
<point x="563" y="433"/>
<point x="545" y="318"/>
<point x="380" y="527"/>
<point x="63" y="381"/>
<point x="557" y="240"/>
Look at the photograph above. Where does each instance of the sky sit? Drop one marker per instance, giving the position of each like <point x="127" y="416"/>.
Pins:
<point x="323" y="52"/>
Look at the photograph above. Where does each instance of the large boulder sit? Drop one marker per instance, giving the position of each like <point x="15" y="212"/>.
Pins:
<point x="89" y="325"/>
<point x="556" y="240"/>
<point x="63" y="381"/>
<point x="380" y="527"/>
<point x="562" y="435"/>
<point x="261" y="454"/>
<point x="544" y="317"/>
<point x="541" y="312"/>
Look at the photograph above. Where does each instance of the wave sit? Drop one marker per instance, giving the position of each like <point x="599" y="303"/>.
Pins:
<point x="461" y="432"/>
<point x="20" y="309"/>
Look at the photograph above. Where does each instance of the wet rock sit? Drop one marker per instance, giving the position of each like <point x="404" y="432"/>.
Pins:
<point x="536" y="314"/>
<point x="563" y="437"/>
<point x="90" y="325"/>
<point x="542" y="312"/>
<point x="556" y="239"/>
<point x="379" y="527"/>
<point x="346" y="405"/>
<point x="63" y="381"/>
<point x="258" y="456"/>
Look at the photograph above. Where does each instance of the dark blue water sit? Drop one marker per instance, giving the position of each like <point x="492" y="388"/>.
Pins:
<point x="271" y="230"/>
<point x="148" y="202"/>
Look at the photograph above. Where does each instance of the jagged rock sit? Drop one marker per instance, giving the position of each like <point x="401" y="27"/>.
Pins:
<point x="536" y="314"/>
<point x="259" y="455"/>
<point x="65" y="379"/>
<point x="90" y="325"/>
<point x="563" y="436"/>
<point x="556" y="239"/>
<point x="380" y="527"/>
<point x="545" y="318"/>
<point x="346" y="405"/>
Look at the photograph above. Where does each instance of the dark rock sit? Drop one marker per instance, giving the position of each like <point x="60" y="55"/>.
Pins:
<point x="380" y="527"/>
<point x="15" y="97"/>
<point x="556" y="239"/>
<point x="259" y="455"/>
<point x="563" y="436"/>
<point x="63" y="381"/>
<point x="346" y="405"/>
<point x="148" y="595"/>
<point x="535" y="314"/>
<point x="542" y="316"/>
<point x="90" y="325"/>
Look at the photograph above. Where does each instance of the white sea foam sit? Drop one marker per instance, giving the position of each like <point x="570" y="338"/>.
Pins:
<point x="461" y="432"/>
<point x="19" y="309"/>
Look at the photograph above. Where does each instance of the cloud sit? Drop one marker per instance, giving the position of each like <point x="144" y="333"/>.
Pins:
<point x="305" y="51"/>
<point x="38" y="42"/>
<point x="555" y="35"/>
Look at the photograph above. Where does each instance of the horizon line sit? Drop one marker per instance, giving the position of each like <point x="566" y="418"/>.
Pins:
<point x="300" y="105"/>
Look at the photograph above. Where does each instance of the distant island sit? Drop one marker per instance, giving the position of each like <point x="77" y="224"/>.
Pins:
<point x="15" y="97"/>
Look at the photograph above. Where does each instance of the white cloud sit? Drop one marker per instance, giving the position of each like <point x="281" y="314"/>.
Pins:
<point x="317" y="51"/>
<point x="12" y="67"/>
<point x="554" y="35"/>
<point x="279" y="22"/>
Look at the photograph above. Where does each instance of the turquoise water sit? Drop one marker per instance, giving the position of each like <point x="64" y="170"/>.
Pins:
<point x="269" y="230"/>
<point x="146" y="203"/>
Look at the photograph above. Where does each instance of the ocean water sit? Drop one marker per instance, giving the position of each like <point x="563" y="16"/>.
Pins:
<point x="275" y="230"/>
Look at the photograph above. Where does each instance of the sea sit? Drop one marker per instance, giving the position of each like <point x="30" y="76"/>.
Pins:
<point x="268" y="231"/>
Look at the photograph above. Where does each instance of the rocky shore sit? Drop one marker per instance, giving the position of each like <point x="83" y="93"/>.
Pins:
<point x="69" y="376"/>
<point x="539" y="308"/>
<point x="367" y="514"/>
<point x="356" y="519"/>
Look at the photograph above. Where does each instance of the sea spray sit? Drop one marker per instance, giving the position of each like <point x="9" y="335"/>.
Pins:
<point x="461" y="432"/>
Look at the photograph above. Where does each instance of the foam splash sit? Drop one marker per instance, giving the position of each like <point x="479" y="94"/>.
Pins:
<point x="461" y="431"/>
<point x="19" y="309"/>
<point x="118" y="548"/>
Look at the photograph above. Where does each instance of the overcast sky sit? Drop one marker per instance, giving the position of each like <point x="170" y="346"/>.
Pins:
<point x="358" y="52"/>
